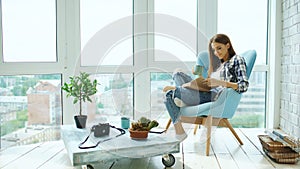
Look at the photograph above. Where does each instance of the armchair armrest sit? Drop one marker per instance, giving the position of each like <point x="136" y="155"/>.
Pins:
<point x="226" y="104"/>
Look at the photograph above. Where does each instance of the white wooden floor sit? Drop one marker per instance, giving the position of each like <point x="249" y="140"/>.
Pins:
<point x="225" y="153"/>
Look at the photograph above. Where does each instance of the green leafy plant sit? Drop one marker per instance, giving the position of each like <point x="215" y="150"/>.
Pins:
<point x="144" y="124"/>
<point x="80" y="88"/>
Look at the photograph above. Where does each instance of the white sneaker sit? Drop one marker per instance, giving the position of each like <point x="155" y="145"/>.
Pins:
<point x="181" y="137"/>
<point x="179" y="102"/>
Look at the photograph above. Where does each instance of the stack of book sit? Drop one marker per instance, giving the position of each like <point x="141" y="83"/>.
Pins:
<point x="280" y="147"/>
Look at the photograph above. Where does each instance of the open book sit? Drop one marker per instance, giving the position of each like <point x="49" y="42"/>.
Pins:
<point x="197" y="84"/>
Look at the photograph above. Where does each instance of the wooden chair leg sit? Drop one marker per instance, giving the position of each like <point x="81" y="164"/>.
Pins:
<point x="208" y="125"/>
<point x="168" y="124"/>
<point x="195" y="129"/>
<point x="233" y="131"/>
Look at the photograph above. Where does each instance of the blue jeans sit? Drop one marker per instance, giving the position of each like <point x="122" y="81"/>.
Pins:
<point x="188" y="96"/>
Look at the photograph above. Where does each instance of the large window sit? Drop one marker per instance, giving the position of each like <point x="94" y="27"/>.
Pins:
<point x="30" y="109"/>
<point x="114" y="97"/>
<point x="235" y="21"/>
<point x="30" y="76"/>
<point x="106" y="32"/>
<point x="176" y="40"/>
<point x="248" y="30"/>
<point x="251" y="110"/>
<point x="131" y="47"/>
<point x="29" y="40"/>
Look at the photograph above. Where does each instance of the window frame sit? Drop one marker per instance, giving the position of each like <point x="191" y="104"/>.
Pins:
<point x="274" y="52"/>
<point x="68" y="47"/>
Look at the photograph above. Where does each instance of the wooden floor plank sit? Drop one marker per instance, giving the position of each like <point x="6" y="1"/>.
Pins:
<point x="196" y="160"/>
<point x="251" y="135"/>
<point x="14" y="153"/>
<point x="195" y="143"/>
<point x="59" y="161"/>
<point x="225" y="153"/>
<point x="226" y="161"/>
<point x="253" y="151"/>
<point x="248" y="146"/>
<point x="220" y="150"/>
<point x="236" y="151"/>
<point x="37" y="156"/>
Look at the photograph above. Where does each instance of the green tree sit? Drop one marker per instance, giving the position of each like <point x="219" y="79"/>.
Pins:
<point x="23" y="84"/>
<point x="2" y="82"/>
<point x="48" y="76"/>
<point x="22" y="115"/>
<point x="160" y="76"/>
<point x="13" y="125"/>
<point x="17" y="91"/>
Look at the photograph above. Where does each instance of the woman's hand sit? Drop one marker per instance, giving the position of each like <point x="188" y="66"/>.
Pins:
<point x="211" y="82"/>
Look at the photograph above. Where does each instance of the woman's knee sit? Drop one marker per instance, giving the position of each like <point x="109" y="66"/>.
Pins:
<point x="178" y="70"/>
<point x="181" y="78"/>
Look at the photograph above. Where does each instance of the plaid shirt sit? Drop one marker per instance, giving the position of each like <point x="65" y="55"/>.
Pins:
<point x="234" y="71"/>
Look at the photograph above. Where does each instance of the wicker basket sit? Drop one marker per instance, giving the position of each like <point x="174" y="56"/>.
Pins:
<point x="275" y="146"/>
<point x="277" y="151"/>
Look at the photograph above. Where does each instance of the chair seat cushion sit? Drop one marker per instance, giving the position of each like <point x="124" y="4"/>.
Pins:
<point x="198" y="110"/>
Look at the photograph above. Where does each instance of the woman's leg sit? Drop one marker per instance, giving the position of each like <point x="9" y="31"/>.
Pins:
<point x="173" y="110"/>
<point x="181" y="78"/>
<point x="188" y="96"/>
<point x="174" y="113"/>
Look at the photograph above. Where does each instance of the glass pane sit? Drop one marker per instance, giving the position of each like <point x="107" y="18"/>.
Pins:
<point x="31" y="30"/>
<point x="251" y="110"/>
<point x="106" y="32"/>
<point x="30" y="109"/>
<point x="158" y="109"/>
<point x="175" y="40"/>
<point x="245" y="22"/>
<point x="114" y="97"/>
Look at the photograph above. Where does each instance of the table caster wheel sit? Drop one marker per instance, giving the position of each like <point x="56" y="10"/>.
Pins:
<point x="89" y="166"/>
<point x="168" y="160"/>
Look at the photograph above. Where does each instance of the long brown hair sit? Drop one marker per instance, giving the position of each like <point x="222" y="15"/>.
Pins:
<point x="215" y="62"/>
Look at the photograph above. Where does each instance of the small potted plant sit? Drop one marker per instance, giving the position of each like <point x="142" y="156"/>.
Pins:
<point x="80" y="88"/>
<point x="141" y="128"/>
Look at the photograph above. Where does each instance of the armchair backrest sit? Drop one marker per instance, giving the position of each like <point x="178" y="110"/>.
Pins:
<point x="226" y="105"/>
<point x="249" y="56"/>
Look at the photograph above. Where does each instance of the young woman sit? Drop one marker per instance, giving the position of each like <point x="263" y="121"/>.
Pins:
<point x="226" y="70"/>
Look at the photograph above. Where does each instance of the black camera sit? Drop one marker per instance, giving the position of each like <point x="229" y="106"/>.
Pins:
<point x="101" y="129"/>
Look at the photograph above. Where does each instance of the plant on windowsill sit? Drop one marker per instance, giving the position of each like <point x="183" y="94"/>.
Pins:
<point x="80" y="88"/>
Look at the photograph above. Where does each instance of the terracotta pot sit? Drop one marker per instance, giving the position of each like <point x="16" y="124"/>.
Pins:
<point x="134" y="134"/>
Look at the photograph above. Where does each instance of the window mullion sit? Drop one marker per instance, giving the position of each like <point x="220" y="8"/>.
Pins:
<point x="141" y="71"/>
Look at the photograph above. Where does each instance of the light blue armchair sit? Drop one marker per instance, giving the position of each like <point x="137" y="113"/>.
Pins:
<point x="218" y="112"/>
